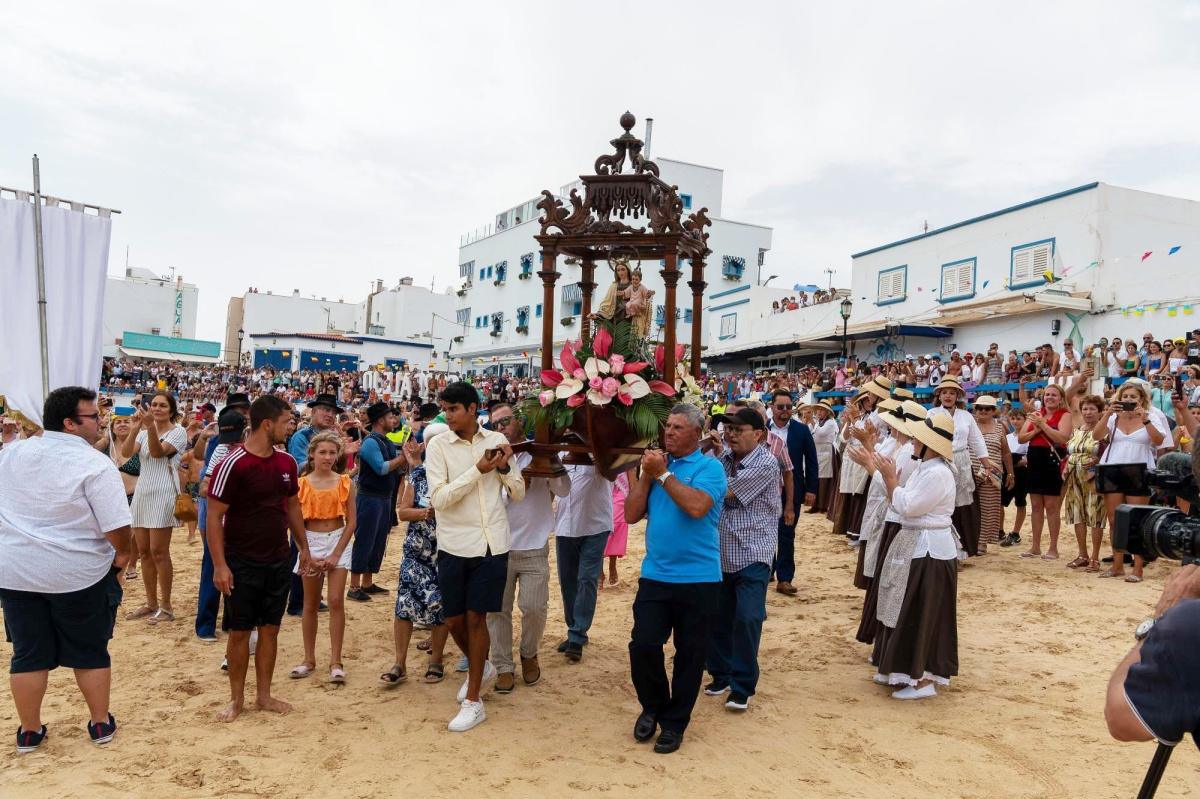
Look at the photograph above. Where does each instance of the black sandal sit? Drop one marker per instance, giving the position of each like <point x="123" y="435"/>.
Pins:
<point x="393" y="677"/>
<point x="435" y="673"/>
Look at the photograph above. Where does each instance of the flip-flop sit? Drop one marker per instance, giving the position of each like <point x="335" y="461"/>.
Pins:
<point x="1133" y="578"/>
<point x="140" y="613"/>
<point x="1049" y="557"/>
<point x="160" y="616"/>
<point x="301" y="671"/>
<point x="337" y="675"/>
<point x="435" y="673"/>
<point x="1030" y="554"/>
<point x="1109" y="573"/>
<point x="393" y="677"/>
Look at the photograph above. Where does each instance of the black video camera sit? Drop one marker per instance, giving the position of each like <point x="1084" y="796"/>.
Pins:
<point x="1157" y="532"/>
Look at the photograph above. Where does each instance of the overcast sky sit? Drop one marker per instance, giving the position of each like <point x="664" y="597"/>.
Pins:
<point x="319" y="146"/>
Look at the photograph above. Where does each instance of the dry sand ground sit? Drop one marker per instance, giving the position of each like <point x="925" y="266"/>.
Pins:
<point x="1024" y="719"/>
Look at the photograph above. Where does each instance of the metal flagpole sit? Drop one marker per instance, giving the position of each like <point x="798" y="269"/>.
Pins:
<point x="41" y="276"/>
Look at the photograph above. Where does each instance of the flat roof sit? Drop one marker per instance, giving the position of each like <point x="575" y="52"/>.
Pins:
<point x="973" y="220"/>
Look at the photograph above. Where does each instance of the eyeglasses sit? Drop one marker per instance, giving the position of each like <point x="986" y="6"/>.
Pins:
<point x="782" y="407"/>
<point x="81" y="416"/>
<point x="502" y="422"/>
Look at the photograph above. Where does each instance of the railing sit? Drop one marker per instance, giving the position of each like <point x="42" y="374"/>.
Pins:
<point x="982" y="388"/>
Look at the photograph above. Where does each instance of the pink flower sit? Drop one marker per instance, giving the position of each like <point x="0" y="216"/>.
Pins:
<point x="545" y="398"/>
<point x="595" y="383"/>
<point x="617" y="364"/>
<point x="602" y="342"/>
<point x="551" y="377"/>
<point x="666" y="389"/>
<point x="567" y="358"/>
<point x="579" y="374"/>
<point x="635" y="367"/>
<point x="660" y="353"/>
<point x="575" y="400"/>
<point x="610" y="387"/>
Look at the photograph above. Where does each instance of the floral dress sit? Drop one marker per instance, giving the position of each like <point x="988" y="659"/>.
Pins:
<point x="1081" y="503"/>
<point x="418" y="598"/>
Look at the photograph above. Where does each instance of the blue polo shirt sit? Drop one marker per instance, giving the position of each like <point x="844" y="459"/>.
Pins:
<point x="680" y="549"/>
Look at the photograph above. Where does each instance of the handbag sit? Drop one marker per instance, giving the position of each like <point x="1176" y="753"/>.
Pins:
<point x="185" y="506"/>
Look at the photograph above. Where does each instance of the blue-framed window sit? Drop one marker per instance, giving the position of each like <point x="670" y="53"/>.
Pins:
<point x="733" y="266"/>
<point x="728" y="325"/>
<point x="489" y="270"/>
<point x="538" y="311"/>
<point x="482" y="273"/>
<point x="502" y="271"/>
<point x="958" y="280"/>
<point x="687" y="316"/>
<point x="1029" y="263"/>
<point x="526" y="263"/>
<point x="687" y="201"/>
<point x="892" y="285"/>
<point x="576" y="308"/>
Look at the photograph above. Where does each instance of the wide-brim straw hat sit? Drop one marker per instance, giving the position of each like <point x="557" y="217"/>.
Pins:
<point x="890" y="405"/>
<point x="903" y="393"/>
<point x="935" y="432"/>
<point x="826" y="404"/>
<point x="950" y="382"/>
<point x="986" y="401"/>
<point x="881" y="387"/>
<point x="913" y="412"/>
<point x="894" y="417"/>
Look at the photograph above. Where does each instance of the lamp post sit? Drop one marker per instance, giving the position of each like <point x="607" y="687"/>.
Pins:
<point x="847" y="306"/>
<point x="241" y="335"/>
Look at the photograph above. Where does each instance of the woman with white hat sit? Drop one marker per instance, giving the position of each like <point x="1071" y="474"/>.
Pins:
<point x="853" y="479"/>
<point x="875" y="505"/>
<point x="916" y="642"/>
<point x="991" y="521"/>
<point x="824" y="429"/>
<point x="880" y="524"/>
<point x="949" y="398"/>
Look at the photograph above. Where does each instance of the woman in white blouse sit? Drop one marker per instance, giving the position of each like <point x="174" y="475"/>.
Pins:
<point x="968" y="441"/>
<point x="824" y="430"/>
<point x="1133" y="438"/>
<point x="158" y="440"/>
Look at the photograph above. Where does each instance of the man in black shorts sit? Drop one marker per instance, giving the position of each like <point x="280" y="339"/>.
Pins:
<point x="252" y="503"/>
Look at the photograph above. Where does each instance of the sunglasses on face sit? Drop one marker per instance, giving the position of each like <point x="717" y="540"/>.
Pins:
<point x="502" y="422"/>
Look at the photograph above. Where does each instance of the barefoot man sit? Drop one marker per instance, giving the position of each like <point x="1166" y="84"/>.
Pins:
<point x="252" y="502"/>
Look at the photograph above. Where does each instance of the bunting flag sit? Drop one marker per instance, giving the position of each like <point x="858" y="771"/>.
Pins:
<point x="1138" y="311"/>
<point x="1146" y="254"/>
<point x="1125" y="311"/>
<point x="1152" y="306"/>
<point x="1187" y="309"/>
<point x="1075" y="335"/>
<point x="1175" y="249"/>
<point x="1172" y="310"/>
<point x="1049" y="275"/>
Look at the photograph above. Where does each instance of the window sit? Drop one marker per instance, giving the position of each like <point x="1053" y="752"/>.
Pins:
<point x="576" y="308"/>
<point x="893" y="283"/>
<point x="482" y="273"/>
<point x="571" y="293"/>
<point x="466" y="270"/>
<point x="728" y="325"/>
<point x="687" y="201"/>
<point x="502" y="271"/>
<point x="733" y="266"/>
<point x="687" y="316"/>
<point x="526" y="263"/>
<point x="1029" y="263"/>
<point x="538" y="312"/>
<point x="958" y="280"/>
<point x="463" y="315"/>
<point x="489" y="270"/>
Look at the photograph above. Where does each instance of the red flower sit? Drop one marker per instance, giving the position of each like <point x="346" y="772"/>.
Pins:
<point x="551" y="377"/>
<point x="567" y="358"/>
<point x="602" y="342"/>
<point x="634" y="368"/>
<point x="660" y="353"/>
<point x="665" y="389"/>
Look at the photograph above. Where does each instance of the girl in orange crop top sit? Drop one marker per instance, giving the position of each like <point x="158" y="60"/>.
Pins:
<point x="327" y="502"/>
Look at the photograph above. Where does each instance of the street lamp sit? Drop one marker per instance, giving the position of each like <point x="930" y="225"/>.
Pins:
<point x="847" y="306"/>
<point x="768" y="280"/>
<point x="241" y="335"/>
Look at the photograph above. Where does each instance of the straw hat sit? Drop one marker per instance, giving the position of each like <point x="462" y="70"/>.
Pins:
<point x="879" y="386"/>
<point x="950" y="382"/>
<point x="913" y="412"/>
<point x="894" y="417"/>
<point x="890" y="405"/>
<point x="902" y="392"/>
<point x="986" y="401"/>
<point x="826" y="404"/>
<point x="935" y="432"/>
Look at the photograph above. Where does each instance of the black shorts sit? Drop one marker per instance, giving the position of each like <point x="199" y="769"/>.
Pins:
<point x="259" y="595"/>
<point x="471" y="583"/>
<point x="1020" y="489"/>
<point x="70" y="630"/>
<point x="1122" y="478"/>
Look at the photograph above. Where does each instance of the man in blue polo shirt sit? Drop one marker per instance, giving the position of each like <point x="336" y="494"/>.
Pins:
<point x="680" y="492"/>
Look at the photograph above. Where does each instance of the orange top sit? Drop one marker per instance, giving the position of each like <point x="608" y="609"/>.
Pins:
<point x="327" y="504"/>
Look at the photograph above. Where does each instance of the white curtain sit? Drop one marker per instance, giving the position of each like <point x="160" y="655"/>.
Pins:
<point x="76" y="255"/>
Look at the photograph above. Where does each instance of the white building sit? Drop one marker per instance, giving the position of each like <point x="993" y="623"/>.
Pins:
<point x="335" y="352"/>
<point x="1092" y="261"/>
<point x="143" y="302"/>
<point x="500" y="295"/>
<point x="403" y="313"/>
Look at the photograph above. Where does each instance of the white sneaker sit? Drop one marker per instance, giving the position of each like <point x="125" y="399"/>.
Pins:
<point x="489" y="677"/>
<point x="912" y="692"/>
<point x="471" y="714"/>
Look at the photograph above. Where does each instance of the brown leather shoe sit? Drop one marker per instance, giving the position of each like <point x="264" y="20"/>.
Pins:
<point x="787" y="588"/>
<point x="531" y="672"/>
<point x="505" y="682"/>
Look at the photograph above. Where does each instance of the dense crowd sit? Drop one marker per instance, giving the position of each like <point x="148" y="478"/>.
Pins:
<point x="801" y="300"/>
<point x="913" y="461"/>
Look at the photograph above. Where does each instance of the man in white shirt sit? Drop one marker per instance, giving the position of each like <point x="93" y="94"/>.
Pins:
<point x="468" y="473"/>
<point x="582" y="524"/>
<point x="529" y="523"/>
<point x="64" y="542"/>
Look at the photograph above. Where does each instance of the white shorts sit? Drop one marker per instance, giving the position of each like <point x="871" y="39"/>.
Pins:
<point x="321" y="545"/>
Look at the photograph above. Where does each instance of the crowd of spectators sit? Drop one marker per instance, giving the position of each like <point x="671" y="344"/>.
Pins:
<point x="801" y="300"/>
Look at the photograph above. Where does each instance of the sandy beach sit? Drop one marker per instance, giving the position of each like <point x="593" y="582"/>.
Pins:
<point x="1024" y="719"/>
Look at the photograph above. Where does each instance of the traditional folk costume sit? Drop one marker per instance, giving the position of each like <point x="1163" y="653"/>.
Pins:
<point x="968" y="443"/>
<point x="853" y="480"/>
<point x="917" y="637"/>
<point x="876" y="502"/>
<point x="824" y="435"/>
<point x="876" y="548"/>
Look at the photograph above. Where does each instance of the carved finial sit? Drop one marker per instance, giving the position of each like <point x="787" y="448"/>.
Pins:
<point x="628" y="120"/>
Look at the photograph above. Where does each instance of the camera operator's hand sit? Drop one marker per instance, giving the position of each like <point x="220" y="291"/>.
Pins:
<point x="1183" y="584"/>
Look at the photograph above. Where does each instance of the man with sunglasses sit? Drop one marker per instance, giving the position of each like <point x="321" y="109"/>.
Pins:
<point x="805" y="471"/>
<point x="530" y="521"/>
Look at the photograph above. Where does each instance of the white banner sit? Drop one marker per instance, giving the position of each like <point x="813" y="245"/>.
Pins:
<point x="76" y="255"/>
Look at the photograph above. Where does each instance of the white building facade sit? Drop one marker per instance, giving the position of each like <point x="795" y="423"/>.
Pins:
<point x="499" y="313"/>
<point x="336" y="352"/>
<point x="143" y="302"/>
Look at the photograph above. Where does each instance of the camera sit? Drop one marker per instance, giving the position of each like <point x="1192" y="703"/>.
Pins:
<point x="1156" y="532"/>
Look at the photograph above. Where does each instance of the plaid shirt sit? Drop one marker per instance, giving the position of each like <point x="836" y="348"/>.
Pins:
<point x="749" y="524"/>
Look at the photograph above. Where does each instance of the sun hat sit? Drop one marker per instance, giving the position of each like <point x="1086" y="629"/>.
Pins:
<point x="881" y="387"/>
<point x="935" y="432"/>
<point x="949" y="381"/>
<point x="986" y="401"/>
<point x="902" y="392"/>
<point x="890" y="405"/>
<point x="913" y="412"/>
<point x="894" y="417"/>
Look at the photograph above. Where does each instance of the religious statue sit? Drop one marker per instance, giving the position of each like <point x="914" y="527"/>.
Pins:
<point x="627" y="298"/>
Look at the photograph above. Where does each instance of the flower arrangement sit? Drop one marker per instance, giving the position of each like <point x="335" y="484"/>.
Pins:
<point x="610" y="373"/>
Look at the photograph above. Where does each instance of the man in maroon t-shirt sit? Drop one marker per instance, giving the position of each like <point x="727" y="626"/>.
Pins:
<point x="252" y="502"/>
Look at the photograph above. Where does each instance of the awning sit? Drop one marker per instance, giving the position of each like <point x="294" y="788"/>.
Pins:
<point x="879" y="329"/>
<point x="178" y="357"/>
<point x="1015" y="304"/>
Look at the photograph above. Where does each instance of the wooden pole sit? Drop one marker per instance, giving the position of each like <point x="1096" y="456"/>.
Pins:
<point x="587" y="286"/>
<point x="697" y="285"/>
<point x="545" y="462"/>
<point x="670" y="276"/>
